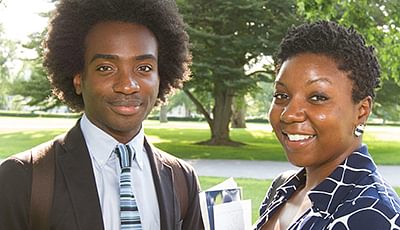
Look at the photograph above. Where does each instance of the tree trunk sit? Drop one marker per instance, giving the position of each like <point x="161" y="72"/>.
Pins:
<point x="222" y="115"/>
<point x="163" y="113"/>
<point x="238" y="112"/>
<point x="219" y="123"/>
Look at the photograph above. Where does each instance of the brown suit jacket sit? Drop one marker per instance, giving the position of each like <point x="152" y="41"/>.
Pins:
<point x="75" y="201"/>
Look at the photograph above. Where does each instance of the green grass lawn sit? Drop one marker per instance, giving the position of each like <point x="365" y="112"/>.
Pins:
<point x="179" y="138"/>
<point x="14" y="142"/>
<point x="259" y="145"/>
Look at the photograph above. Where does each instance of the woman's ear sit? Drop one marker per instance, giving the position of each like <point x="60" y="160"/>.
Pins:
<point x="364" y="110"/>
<point x="77" y="81"/>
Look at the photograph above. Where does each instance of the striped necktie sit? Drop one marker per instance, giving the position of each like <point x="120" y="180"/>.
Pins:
<point x="129" y="213"/>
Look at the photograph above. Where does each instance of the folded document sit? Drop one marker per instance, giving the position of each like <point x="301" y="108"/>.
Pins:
<point x="222" y="207"/>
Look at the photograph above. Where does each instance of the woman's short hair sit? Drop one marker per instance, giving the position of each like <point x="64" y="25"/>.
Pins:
<point x="345" y="45"/>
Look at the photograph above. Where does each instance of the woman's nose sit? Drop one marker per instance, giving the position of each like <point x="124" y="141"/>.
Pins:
<point x="294" y="111"/>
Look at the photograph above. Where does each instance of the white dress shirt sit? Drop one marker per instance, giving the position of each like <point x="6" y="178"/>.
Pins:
<point x="106" y="170"/>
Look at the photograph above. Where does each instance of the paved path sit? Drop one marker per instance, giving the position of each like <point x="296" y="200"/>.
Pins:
<point x="267" y="169"/>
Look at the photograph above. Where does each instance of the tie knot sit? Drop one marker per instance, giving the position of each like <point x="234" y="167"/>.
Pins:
<point x="125" y="154"/>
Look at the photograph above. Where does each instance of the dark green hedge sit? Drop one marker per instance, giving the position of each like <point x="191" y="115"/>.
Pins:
<point x="38" y="114"/>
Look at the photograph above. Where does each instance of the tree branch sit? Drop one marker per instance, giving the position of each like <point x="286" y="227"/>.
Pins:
<point x="199" y="106"/>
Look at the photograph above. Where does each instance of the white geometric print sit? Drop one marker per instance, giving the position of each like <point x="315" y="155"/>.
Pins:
<point x="353" y="197"/>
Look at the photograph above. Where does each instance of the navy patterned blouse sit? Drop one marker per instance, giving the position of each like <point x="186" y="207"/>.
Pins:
<point x="354" y="196"/>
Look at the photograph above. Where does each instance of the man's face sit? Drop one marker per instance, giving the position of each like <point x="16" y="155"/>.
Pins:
<point x="120" y="81"/>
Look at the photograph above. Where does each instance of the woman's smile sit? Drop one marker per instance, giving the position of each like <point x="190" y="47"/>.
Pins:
<point x="296" y="142"/>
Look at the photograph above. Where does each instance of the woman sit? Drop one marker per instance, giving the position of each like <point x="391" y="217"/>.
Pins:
<point x="322" y="99"/>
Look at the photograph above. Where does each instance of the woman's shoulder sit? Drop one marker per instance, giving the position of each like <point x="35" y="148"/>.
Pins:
<point x="371" y="203"/>
<point x="375" y="187"/>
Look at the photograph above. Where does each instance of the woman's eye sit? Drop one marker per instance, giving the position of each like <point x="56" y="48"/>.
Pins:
<point x="280" y="96"/>
<point x="104" y="68"/>
<point x="145" y="68"/>
<point x="319" y="98"/>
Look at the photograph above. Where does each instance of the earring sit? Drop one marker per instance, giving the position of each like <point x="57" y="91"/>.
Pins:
<point x="359" y="130"/>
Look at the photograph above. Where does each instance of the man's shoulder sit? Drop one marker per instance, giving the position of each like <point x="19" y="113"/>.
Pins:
<point x="17" y="166"/>
<point x="25" y="158"/>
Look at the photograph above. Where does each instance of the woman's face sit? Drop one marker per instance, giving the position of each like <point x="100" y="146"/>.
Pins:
<point x="313" y="114"/>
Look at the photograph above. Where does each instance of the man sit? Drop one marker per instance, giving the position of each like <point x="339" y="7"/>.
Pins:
<point x="113" y="60"/>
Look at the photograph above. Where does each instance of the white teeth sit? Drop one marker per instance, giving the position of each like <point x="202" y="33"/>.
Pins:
<point x="298" y="137"/>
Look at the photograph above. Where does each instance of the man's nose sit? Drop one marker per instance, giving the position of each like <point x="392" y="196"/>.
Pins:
<point x="126" y="83"/>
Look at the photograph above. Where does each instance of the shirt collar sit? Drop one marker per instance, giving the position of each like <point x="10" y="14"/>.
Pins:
<point x="331" y="192"/>
<point x="138" y="144"/>
<point x="289" y="187"/>
<point x="101" y="145"/>
<point x="339" y="183"/>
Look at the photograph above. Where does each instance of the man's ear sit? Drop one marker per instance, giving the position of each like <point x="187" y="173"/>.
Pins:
<point x="77" y="81"/>
<point x="364" y="109"/>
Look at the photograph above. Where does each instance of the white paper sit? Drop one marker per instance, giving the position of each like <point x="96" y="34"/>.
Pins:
<point x="222" y="207"/>
<point x="226" y="184"/>
<point x="204" y="211"/>
<point x="234" y="215"/>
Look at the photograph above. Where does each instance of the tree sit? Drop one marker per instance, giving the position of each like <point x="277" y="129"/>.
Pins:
<point x="225" y="36"/>
<point x="379" y="22"/>
<point x="32" y="82"/>
<point x="176" y="99"/>
<point x="387" y="101"/>
<point x="179" y="98"/>
<point x="239" y="107"/>
<point x="7" y="54"/>
<point x="163" y="113"/>
<point x="259" y="100"/>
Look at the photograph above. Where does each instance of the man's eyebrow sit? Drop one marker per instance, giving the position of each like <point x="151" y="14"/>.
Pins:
<point x="145" y="56"/>
<point x="103" y="56"/>
<point x="115" y="57"/>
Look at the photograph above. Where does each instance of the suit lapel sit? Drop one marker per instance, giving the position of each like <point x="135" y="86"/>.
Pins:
<point x="76" y="167"/>
<point x="162" y="176"/>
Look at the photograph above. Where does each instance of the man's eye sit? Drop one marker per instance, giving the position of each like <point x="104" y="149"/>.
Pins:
<point x="319" y="98"/>
<point x="145" y="68"/>
<point x="104" y="68"/>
